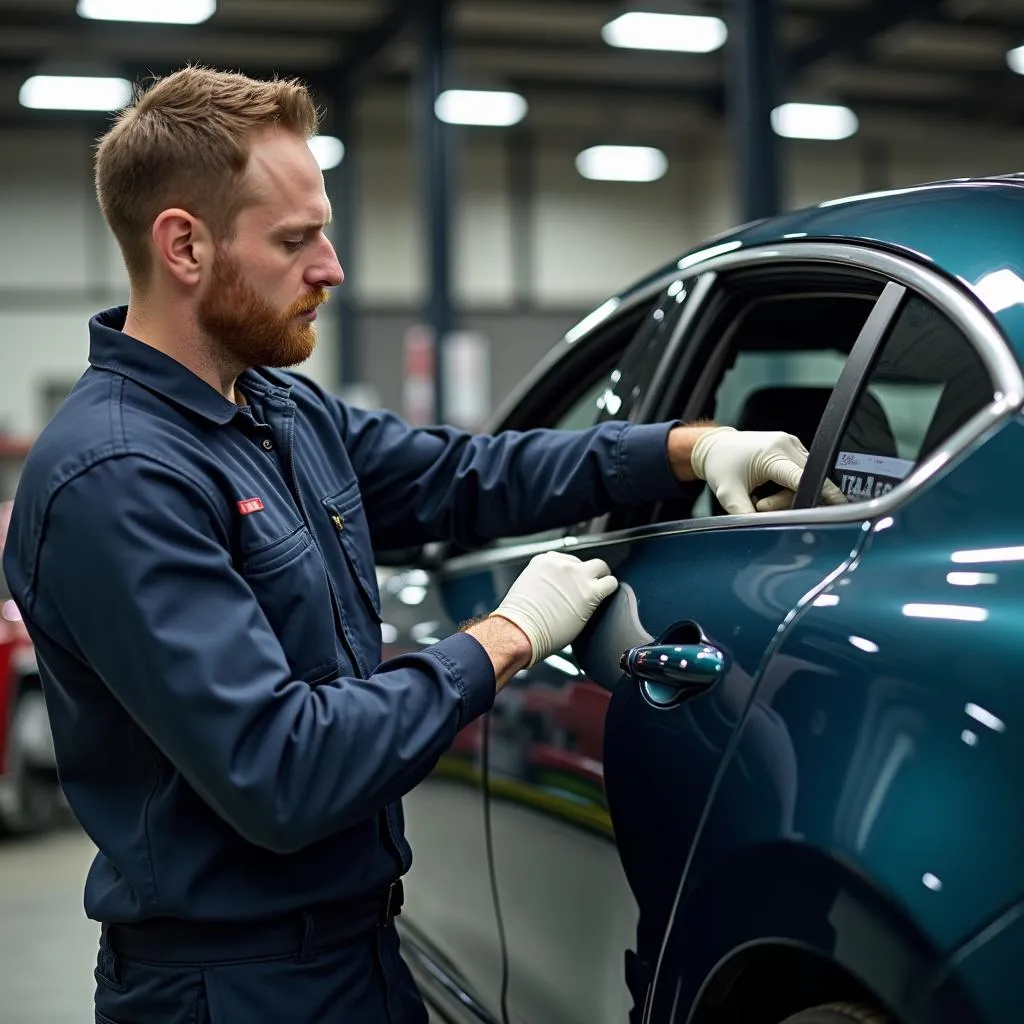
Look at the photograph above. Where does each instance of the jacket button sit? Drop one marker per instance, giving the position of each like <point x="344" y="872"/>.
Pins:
<point x="268" y="445"/>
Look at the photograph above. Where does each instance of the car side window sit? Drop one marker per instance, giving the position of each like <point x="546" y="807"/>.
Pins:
<point x="926" y="382"/>
<point x="607" y="386"/>
<point x="769" y="362"/>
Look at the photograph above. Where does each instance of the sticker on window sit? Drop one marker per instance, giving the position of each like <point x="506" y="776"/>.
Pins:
<point x="862" y="477"/>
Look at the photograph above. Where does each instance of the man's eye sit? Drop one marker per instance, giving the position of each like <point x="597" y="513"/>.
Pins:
<point x="294" y="246"/>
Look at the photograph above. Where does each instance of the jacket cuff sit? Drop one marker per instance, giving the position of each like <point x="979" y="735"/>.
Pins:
<point x="644" y="474"/>
<point x="472" y="672"/>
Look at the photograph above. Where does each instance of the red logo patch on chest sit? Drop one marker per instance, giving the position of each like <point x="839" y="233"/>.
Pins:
<point x="249" y="505"/>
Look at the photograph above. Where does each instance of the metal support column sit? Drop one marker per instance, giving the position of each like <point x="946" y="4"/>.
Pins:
<point x="521" y="150"/>
<point x="342" y="188"/>
<point x="436" y="159"/>
<point x="753" y="93"/>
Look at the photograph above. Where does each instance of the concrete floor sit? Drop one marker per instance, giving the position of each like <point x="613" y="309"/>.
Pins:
<point x="47" y="946"/>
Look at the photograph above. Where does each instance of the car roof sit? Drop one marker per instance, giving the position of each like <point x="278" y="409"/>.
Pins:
<point x="968" y="229"/>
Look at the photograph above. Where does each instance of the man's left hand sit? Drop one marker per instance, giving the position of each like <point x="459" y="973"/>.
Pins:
<point x="736" y="462"/>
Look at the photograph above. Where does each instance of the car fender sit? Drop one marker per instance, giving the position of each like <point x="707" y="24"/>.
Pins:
<point x="793" y="896"/>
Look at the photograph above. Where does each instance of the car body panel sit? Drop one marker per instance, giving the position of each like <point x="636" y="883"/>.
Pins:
<point x="982" y="968"/>
<point x="17" y="655"/>
<point x="895" y="691"/>
<point x="546" y="756"/>
<point x="740" y="588"/>
<point x="18" y="670"/>
<point x="836" y="791"/>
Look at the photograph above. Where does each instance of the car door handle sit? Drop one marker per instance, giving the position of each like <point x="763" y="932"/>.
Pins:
<point x="670" y="673"/>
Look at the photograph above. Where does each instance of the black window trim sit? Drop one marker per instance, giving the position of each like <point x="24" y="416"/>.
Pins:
<point x="841" y="403"/>
<point x="953" y="300"/>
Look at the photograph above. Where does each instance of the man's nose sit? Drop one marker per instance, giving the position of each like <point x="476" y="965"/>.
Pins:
<point x="327" y="272"/>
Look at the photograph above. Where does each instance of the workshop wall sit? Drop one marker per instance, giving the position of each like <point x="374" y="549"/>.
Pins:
<point x="535" y="246"/>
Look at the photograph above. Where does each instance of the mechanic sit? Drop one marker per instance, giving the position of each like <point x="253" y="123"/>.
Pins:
<point x="192" y="552"/>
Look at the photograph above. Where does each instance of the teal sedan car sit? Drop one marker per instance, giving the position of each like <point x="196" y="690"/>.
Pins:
<point x="780" y="777"/>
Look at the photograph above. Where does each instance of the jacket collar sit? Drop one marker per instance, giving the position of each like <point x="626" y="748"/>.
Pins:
<point x="112" y="350"/>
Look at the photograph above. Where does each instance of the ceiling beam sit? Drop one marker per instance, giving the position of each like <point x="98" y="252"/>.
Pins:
<point x="365" y="48"/>
<point x="851" y="33"/>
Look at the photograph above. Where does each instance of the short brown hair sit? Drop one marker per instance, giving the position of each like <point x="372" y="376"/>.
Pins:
<point x="185" y="142"/>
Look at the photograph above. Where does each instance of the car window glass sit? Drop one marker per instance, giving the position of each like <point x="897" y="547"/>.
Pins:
<point x="609" y="386"/>
<point x="633" y="375"/>
<point x="927" y="381"/>
<point x="773" y="367"/>
<point x="586" y="410"/>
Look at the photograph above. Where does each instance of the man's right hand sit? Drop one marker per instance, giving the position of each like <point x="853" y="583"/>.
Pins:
<point x="553" y="599"/>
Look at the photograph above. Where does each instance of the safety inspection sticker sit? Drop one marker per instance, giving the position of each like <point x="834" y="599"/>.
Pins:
<point x="862" y="477"/>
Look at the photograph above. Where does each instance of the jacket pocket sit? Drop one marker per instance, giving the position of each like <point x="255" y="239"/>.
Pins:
<point x="348" y="517"/>
<point x="289" y="579"/>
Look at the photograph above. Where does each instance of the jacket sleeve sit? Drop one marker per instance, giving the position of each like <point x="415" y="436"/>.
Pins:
<point x="135" y="577"/>
<point x="424" y="484"/>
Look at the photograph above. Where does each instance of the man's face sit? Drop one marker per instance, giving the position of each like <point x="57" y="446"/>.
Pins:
<point x="259" y="301"/>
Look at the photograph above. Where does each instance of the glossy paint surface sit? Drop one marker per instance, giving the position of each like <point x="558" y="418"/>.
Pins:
<point x="849" y="788"/>
<point x="892" y="805"/>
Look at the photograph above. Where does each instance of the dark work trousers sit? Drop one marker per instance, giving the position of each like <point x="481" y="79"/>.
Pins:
<point x="362" y="980"/>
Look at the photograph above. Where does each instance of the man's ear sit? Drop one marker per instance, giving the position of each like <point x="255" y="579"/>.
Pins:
<point x="183" y="244"/>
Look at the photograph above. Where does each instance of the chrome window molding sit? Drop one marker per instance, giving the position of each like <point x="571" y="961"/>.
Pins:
<point x="958" y="305"/>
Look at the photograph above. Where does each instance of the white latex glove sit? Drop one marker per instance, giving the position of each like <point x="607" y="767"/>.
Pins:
<point x="736" y="462"/>
<point x="553" y="599"/>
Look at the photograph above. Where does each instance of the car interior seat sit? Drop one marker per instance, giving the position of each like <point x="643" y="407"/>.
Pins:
<point x="792" y="409"/>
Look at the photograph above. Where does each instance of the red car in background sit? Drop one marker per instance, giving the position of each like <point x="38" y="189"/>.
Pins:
<point x="30" y="797"/>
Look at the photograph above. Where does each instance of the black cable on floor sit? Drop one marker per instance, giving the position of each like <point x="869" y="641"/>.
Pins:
<point x="486" y="789"/>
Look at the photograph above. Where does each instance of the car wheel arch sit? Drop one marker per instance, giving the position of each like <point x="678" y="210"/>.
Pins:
<point x="866" y="946"/>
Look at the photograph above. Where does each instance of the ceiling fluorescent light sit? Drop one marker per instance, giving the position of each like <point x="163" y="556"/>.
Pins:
<point x="622" y="163"/>
<point x="486" y="107"/>
<point x="1015" y="60"/>
<point x="684" y="33"/>
<point x="328" y="150"/>
<point x="167" y="12"/>
<point x="68" y="92"/>
<point x="814" y="121"/>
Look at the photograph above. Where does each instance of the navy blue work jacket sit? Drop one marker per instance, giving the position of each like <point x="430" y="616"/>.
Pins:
<point x="198" y="579"/>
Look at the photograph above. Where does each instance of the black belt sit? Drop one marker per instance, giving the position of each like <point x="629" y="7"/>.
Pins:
<point x="174" y="940"/>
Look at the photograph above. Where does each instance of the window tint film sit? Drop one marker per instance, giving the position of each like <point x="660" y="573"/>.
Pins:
<point x="927" y="381"/>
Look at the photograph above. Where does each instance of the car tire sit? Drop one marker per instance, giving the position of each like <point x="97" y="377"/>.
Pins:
<point x="839" y="1013"/>
<point x="29" y="794"/>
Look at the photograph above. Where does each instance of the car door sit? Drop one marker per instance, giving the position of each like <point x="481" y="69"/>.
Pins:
<point x="574" y="799"/>
<point x="450" y="923"/>
<point x="866" y="810"/>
